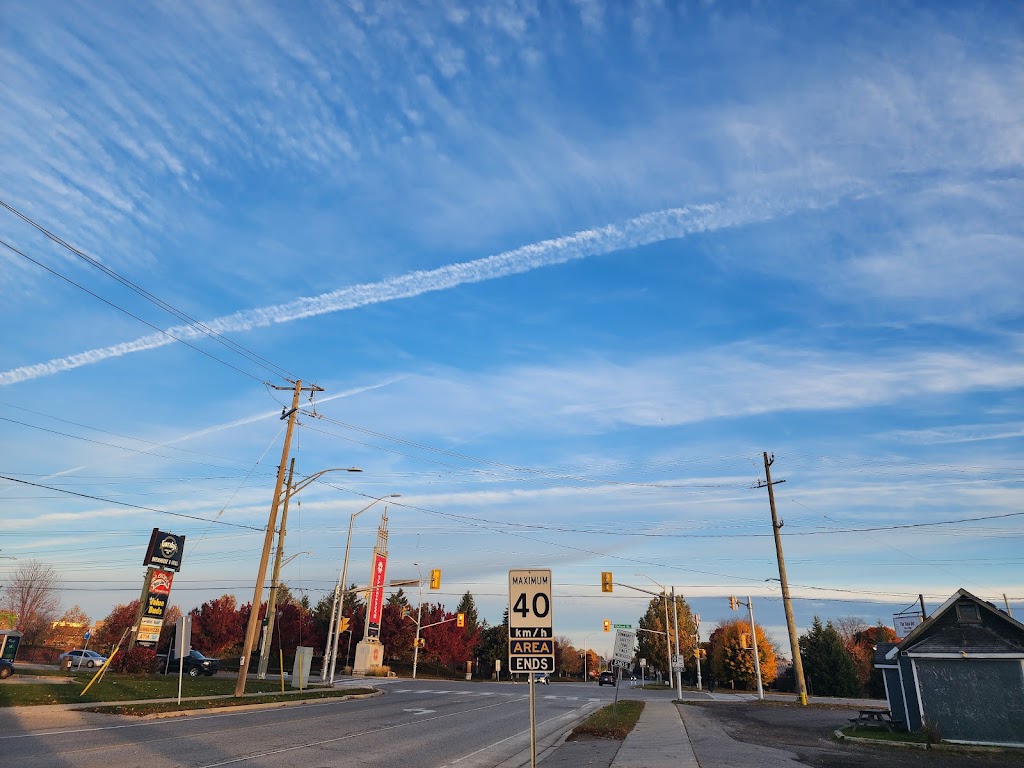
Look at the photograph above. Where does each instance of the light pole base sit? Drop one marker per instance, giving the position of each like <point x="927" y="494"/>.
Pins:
<point x="369" y="654"/>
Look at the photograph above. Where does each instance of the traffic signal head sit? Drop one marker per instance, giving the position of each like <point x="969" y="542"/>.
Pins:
<point x="607" y="625"/>
<point x="435" y="578"/>
<point x="606" y="581"/>
<point x="343" y="624"/>
<point x="744" y="640"/>
<point x="460" y="620"/>
<point x="732" y="602"/>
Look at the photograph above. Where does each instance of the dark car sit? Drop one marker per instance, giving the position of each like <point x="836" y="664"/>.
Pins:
<point x="606" y="677"/>
<point x="6" y="668"/>
<point x="194" y="665"/>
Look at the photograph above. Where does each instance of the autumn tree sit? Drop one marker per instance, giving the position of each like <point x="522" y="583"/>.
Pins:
<point x="862" y="649"/>
<point x="218" y="626"/>
<point x="397" y="629"/>
<point x="491" y="645"/>
<point x="827" y="664"/>
<point x="568" y="659"/>
<point x="731" y="662"/>
<point x="653" y="641"/>
<point x="33" y="593"/>
<point x="112" y="628"/>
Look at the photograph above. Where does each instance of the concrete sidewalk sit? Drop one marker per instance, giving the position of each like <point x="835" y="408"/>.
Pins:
<point x="658" y="740"/>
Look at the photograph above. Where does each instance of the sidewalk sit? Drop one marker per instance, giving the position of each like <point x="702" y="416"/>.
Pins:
<point x="658" y="740"/>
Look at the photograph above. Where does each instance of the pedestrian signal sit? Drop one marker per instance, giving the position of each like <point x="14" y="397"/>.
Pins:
<point x="606" y="581"/>
<point x="460" y="620"/>
<point x="607" y="625"/>
<point x="435" y="578"/>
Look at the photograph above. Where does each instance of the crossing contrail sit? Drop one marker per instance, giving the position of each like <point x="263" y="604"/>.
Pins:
<point x="653" y="227"/>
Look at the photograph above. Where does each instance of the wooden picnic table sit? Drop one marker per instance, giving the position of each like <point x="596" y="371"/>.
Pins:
<point x="876" y="718"/>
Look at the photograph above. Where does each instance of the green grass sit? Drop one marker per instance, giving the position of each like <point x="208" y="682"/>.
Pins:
<point x="140" y="710"/>
<point x="605" y="725"/>
<point x="120" y="687"/>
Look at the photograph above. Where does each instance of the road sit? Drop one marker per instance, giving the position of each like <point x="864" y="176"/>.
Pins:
<point x="413" y="723"/>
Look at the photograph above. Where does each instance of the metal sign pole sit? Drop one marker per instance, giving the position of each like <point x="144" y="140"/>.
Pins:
<point x="533" y="723"/>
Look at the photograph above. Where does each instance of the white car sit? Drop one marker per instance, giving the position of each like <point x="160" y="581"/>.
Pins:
<point x="541" y="677"/>
<point x="80" y="658"/>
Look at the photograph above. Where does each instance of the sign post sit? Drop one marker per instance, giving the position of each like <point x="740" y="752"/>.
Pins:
<point x="531" y="638"/>
<point x="622" y="657"/>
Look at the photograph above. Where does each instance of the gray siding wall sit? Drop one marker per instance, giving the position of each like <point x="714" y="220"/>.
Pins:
<point x="973" y="699"/>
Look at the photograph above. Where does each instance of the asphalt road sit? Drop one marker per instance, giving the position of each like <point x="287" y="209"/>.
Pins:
<point x="414" y="723"/>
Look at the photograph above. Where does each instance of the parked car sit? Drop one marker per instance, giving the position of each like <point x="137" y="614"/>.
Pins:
<point x="194" y="665"/>
<point x="608" y="676"/>
<point x="6" y="669"/>
<point x="541" y="677"/>
<point x="81" y="658"/>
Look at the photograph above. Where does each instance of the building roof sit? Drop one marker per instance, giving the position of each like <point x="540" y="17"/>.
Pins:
<point x="944" y="632"/>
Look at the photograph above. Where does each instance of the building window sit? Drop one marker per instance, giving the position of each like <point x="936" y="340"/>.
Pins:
<point x="968" y="613"/>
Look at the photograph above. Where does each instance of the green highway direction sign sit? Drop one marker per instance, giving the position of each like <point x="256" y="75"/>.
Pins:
<point x="531" y="637"/>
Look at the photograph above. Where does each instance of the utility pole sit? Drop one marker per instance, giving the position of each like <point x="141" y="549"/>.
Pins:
<point x="268" y="620"/>
<point x="679" y="658"/>
<point x="794" y="643"/>
<point x="268" y="539"/>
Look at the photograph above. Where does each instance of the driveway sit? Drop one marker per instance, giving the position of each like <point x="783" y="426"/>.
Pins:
<point x="726" y="734"/>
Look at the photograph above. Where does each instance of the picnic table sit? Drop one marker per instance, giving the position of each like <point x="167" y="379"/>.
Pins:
<point x="876" y="718"/>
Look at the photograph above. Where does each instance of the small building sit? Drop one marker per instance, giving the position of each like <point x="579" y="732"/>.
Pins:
<point x="961" y="671"/>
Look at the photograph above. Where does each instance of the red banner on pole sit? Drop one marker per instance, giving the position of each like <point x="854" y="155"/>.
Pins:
<point x="376" y="608"/>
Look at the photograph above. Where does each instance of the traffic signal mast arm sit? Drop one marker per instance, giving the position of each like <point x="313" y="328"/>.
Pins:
<point x="445" y="621"/>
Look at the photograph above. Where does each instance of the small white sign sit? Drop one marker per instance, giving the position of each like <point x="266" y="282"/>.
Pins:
<point x="905" y="623"/>
<point x="625" y="641"/>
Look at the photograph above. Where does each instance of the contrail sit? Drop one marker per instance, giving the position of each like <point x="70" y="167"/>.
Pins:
<point x="657" y="226"/>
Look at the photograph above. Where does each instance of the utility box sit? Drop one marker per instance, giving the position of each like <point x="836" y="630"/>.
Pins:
<point x="301" y="665"/>
<point x="65" y="664"/>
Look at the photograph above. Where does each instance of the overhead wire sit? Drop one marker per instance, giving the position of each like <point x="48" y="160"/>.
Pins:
<point x="199" y="326"/>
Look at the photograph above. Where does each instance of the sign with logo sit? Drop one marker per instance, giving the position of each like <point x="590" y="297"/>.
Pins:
<point x="905" y="623"/>
<point x="531" y="644"/>
<point x="8" y="619"/>
<point x="159" y="593"/>
<point x="165" y="550"/>
<point x="376" y="602"/>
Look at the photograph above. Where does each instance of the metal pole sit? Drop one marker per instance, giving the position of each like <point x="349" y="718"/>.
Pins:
<point x="696" y="646"/>
<point x="338" y="606"/>
<point x="679" y="659"/>
<point x="533" y="724"/>
<point x="419" y="620"/>
<point x="757" y="660"/>
<point x="668" y="644"/>
<point x="794" y="643"/>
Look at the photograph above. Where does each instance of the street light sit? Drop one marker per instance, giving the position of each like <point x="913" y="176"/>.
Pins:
<point x="290" y="490"/>
<point x="332" y="631"/>
<point x="586" y="658"/>
<point x="419" y="620"/>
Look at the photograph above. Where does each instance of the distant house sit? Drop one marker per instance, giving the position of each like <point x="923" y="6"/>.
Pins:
<point x="960" y="671"/>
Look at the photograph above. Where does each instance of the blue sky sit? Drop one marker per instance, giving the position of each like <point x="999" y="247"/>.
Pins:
<point x="563" y="271"/>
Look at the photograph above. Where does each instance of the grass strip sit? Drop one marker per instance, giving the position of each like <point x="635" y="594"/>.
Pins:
<point x="121" y="687"/>
<point x="881" y="734"/>
<point x="605" y="725"/>
<point x="160" y="707"/>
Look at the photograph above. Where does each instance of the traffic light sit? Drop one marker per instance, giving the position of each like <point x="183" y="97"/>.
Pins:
<point x="607" y="625"/>
<point x="343" y="624"/>
<point x="435" y="578"/>
<point x="460" y="620"/>
<point x="732" y="602"/>
<point x="406" y="610"/>
<point x="744" y="640"/>
<point x="606" y="581"/>
<point x="421" y="643"/>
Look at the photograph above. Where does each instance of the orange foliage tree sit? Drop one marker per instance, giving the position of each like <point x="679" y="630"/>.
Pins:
<point x="732" y="663"/>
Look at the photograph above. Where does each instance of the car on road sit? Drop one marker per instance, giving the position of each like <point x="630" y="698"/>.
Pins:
<point x="541" y="677"/>
<point x="606" y="677"/>
<point x="6" y="668"/>
<point x="82" y="658"/>
<point x="194" y="665"/>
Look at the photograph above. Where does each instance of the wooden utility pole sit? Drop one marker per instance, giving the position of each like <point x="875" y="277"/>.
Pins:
<point x="269" y="618"/>
<point x="794" y="643"/>
<point x="268" y="540"/>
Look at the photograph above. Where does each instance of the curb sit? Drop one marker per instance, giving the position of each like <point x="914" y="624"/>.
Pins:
<point x="840" y="736"/>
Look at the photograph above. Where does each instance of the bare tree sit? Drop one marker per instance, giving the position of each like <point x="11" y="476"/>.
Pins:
<point x="33" y="593"/>
<point x="848" y="627"/>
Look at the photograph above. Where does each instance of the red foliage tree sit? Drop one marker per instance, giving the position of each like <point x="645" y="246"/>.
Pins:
<point x="218" y="626"/>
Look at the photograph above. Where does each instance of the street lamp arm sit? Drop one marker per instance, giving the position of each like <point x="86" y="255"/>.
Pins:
<point x="317" y="475"/>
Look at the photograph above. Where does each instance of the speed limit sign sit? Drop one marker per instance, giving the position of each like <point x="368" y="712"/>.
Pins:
<point x="531" y="644"/>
